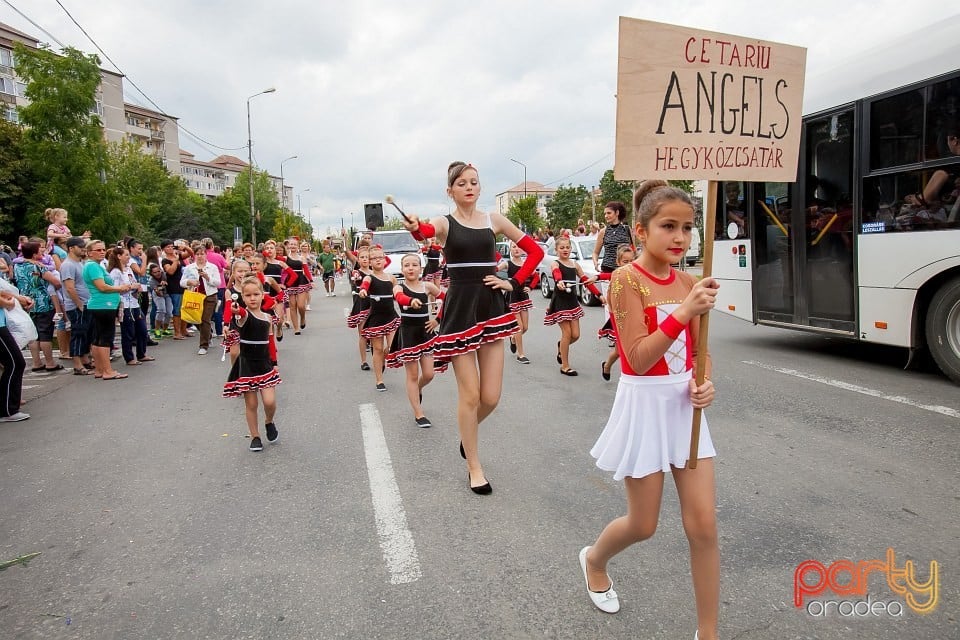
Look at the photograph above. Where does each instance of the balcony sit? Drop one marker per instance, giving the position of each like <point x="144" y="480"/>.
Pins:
<point x="156" y="134"/>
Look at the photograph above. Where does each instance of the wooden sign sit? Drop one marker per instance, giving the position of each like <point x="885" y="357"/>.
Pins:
<point x="698" y="105"/>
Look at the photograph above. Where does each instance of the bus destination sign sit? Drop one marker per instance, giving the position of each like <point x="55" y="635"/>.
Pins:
<point x="698" y="105"/>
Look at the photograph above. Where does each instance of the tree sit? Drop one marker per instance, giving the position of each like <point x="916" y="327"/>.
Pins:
<point x="612" y="189"/>
<point x="523" y="213"/>
<point x="233" y="207"/>
<point x="566" y="206"/>
<point x="13" y="178"/>
<point x="62" y="142"/>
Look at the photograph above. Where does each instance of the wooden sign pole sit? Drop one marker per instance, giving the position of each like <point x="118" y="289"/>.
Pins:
<point x="709" y="226"/>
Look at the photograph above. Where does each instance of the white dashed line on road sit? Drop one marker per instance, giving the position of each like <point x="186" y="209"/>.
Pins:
<point x="396" y="539"/>
<point x="840" y="384"/>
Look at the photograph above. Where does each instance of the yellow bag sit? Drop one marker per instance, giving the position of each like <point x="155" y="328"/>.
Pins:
<point x="191" y="307"/>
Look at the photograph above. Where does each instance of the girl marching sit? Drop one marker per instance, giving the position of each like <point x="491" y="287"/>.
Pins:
<point x="519" y="299"/>
<point x="253" y="374"/>
<point x="475" y="314"/>
<point x="413" y="341"/>
<point x="361" y="305"/>
<point x="656" y="313"/>
<point x="383" y="319"/>
<point x="564" y="309"/>
<point x="299" y="285"/>
<point x="625" y="255"/>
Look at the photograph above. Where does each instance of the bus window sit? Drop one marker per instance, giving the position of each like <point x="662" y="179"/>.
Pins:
<point x="896" y="130"/>
<point x="773" y="249"/>
<point x="920" y="200"/>
<point x="731" y="215"/>
<point x="943" y="120"/>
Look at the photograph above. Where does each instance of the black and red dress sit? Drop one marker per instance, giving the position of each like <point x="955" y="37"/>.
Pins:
<point x="383" y="318"/>
<point x="361" y="306"/>
<point x="473" y="313"/>
<point x="253" y="369"/>
<point x="564" y="305"/>
<point x="303" y="282"/>
<point x="518" y="299"/>
<point x="276" y="270"/>
<point x="412" y="340"/>
<point x="432" y="271"/>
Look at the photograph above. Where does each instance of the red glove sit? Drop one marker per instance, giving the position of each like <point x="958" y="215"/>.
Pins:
<point x="424" y="230"/>
<point x="402" y="299"/>
<point x="534" y="256"/>
<point x="592" y="288"/>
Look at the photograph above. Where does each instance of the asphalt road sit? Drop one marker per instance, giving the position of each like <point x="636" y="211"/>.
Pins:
<point x="154" y="521"/>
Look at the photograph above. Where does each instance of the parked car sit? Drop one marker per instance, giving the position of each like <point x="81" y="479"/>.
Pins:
<point x="395" y="244"/>
<point x="581" y="252"/>
<point x="693" y="253"/>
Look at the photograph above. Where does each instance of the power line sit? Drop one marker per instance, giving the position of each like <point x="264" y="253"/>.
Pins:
<point x="27" y="18"/>
<point x="191" y="134"/>
<point x="580" y="170"/>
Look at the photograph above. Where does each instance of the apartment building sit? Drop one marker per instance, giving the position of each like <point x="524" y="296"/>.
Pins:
<point x="524" y="189"/>
<point x="156" y="132"/>
<point x="216" y="176"/>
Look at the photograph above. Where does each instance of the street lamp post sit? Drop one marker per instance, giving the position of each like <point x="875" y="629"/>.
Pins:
<point x="283" y="191"/>
<point x="253" y="214"/>
<point x="299" y="209"/>
<point x="524" y="175"/>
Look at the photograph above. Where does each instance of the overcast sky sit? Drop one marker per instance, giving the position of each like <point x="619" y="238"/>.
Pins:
<point x="378" y="97"/>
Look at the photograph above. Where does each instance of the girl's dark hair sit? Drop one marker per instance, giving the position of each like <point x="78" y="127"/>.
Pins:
<point x="619" y="207"/>
<point x="456" y="168"/>
<point x="113" y="257"/>
<point x="30" y="249"/>
<point x="651" y="195"/>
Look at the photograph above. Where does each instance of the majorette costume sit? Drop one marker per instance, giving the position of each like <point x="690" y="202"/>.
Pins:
<point x="473" y="312"/>
<point x="432" y="271"/>
<point x="253" y="370"/>
<point x="383" y="318"/>
<point x="650" y="423"/>
<point x="412" y="340"/>
<point x="301" y="281"/>
<point x="361" y="306"/>
<point x="277" y="271"/>
<point x="518" y="298"/>
<point x="606" y="331"/>
<point x="233" y="302"/>
<point x="564" y="305"/>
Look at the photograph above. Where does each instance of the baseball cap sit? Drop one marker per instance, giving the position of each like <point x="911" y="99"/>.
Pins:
<point x="76" y="241"/>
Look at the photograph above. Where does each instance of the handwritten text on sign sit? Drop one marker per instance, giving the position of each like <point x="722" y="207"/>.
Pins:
<point x="695" y="104"/>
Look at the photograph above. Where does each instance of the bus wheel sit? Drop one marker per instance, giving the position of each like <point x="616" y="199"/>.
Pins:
<point x="943" y="329"/>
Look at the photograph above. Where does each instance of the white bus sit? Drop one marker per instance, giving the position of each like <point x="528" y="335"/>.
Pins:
<point x="866" y="242"/>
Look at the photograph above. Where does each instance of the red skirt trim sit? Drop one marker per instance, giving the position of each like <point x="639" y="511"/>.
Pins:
<point x="303" y="288"/>
<point x="396" y="359"/>
<point x="563" y="316"/>
<point x="454" y="344"/>
<point x="236" y="388"/>
<point x="605" y="332"/>
<point x="523" y="305"/>
<point x="358" y="319"/>
<point x="230" y="339"/>
<point x="382" y="330"/>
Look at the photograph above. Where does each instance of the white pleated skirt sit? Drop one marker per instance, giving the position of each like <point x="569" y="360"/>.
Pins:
<point x="649" y="427"/>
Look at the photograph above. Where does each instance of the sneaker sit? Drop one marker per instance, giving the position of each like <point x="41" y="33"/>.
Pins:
<point x="17" y="417"/>
<point x="191" y="331"/>
<point x="202" y="352"/>
<point x="381" y="386"/>
<point x="152" y="343"/>
<point x="256" y="444"/>
<point x="424" y="422"/>
<point x="167" y="332"/>
<point x="272" y="434"/>
<point x="523" y="360"/>
<point x="364" y="366"/>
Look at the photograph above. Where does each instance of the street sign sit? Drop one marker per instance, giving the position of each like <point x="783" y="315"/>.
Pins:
<point x="699" y="105"/>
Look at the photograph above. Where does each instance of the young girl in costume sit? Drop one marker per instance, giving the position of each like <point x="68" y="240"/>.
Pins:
<point x="383" y="319"/>
<point x="413" y="341"/>
<point x="656" y="313"/>
<point x="299" y="285"/>
<point x="625" y="255"/>
<point x="475" y="314"/>
<point x="271" y="288"/>
<point x="233" y="300"/>
<point x="361" y="305"/>
<point x="564" y="309"/>
<point x="519" y="299"/>
<point x="253" y="374"/>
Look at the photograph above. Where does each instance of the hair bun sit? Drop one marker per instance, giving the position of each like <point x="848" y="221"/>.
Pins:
<point x="645" y="188"/>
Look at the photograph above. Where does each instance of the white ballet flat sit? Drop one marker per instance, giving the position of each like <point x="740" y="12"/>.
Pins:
<point x="607" y="601"/>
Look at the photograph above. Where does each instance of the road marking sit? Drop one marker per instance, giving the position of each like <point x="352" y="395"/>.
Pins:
<point x="396" y="539"/>
<point x="947" y="411"/>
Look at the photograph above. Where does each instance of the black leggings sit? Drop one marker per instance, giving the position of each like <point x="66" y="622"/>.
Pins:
<point x="11" y="380"/>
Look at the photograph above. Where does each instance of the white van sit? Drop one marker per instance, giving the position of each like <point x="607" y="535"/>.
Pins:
<point x="693" y="253"/>
<point x="395" y="244"/>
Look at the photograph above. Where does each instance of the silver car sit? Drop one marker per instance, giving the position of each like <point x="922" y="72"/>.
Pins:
<point x="581" y="252"/>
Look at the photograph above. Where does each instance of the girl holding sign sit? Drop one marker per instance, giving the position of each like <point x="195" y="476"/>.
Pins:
<point x="655" y="311"/>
